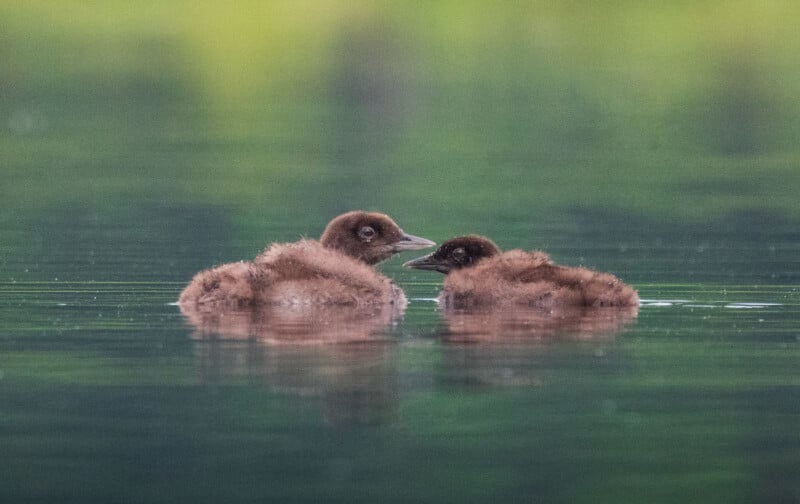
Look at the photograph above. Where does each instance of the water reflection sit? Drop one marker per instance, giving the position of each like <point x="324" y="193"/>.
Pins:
<point x="356" y="382"/>
<point x="342" y="355"/>
<point x="520" y="326"/>
<point x="521" y="348"/>
<point x="296" y="325"/>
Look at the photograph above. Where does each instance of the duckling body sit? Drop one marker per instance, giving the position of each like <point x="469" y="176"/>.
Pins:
<point x="336" y="270"/>
<point x="479" y="274"/>
<point x="306" y="272"/>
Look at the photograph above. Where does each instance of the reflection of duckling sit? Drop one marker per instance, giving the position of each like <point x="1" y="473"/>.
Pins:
<point x="479" y="274"/>
<point x="515" y="325"/>
<point x="293" y="324"/>
<point x="515" y="347"/>
<point x="334" y="270"/>
<point x="356" y="383"/>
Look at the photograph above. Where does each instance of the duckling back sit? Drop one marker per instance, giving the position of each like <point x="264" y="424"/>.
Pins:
<point x="234" y="284"/>
<point x="304" y="272"/>
<point x="532" y="279"/>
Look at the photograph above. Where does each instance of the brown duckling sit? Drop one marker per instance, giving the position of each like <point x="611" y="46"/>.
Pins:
<point x="479" y="274"/>
<point x="337" y="269"/>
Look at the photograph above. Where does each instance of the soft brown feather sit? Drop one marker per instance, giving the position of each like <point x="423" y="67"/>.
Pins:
<point x="478" y="274"/>
<point x="530" y="278"/>
<point x="335" y="270"/>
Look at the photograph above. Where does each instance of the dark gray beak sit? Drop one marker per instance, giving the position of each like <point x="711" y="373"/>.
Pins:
<point x="411" y="242"/>
<point x="427" y="263"/>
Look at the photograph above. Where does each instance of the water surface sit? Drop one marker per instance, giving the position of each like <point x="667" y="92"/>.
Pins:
<point x="110" y="394"/>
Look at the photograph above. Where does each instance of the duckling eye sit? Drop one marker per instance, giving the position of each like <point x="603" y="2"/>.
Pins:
<point x="366" y="233"/>
<point x="459" y="254"/>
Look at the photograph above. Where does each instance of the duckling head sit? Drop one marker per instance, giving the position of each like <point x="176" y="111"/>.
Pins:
<point x="456" y="253"/>
<point x="369" y="236"/>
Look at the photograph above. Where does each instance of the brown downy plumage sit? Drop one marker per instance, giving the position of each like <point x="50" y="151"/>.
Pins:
<point x="479" y="274"/>
<point x="334" y="270"/>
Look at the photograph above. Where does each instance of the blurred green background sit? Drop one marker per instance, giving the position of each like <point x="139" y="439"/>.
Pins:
<point x="191" y="122"/>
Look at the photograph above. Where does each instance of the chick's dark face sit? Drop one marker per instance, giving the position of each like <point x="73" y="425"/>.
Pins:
<point x="456" y="253"/>
<point x="369" y="236"/>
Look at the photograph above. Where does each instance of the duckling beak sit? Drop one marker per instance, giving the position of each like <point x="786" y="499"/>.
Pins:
<point x="411" y="242"/>
<point x="427" y="263"/>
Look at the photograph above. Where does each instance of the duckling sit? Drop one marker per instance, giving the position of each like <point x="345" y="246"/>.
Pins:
<point x="479" y="274"/>
<point x="336" y="270"/>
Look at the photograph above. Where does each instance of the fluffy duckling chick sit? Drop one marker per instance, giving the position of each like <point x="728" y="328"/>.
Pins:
<point x="479" y="274"/>
<point x="334" y="270"/>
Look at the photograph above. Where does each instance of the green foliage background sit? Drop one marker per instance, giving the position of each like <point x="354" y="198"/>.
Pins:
<point x="686" y="109"/>
<point x="167" y="136"/>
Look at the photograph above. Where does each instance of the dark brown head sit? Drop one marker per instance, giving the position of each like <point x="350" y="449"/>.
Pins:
<point x="456" y="253"/>
<point x="369" y="236"/>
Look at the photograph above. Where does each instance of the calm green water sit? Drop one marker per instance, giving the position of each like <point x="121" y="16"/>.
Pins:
<point x="655" y="142"/>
